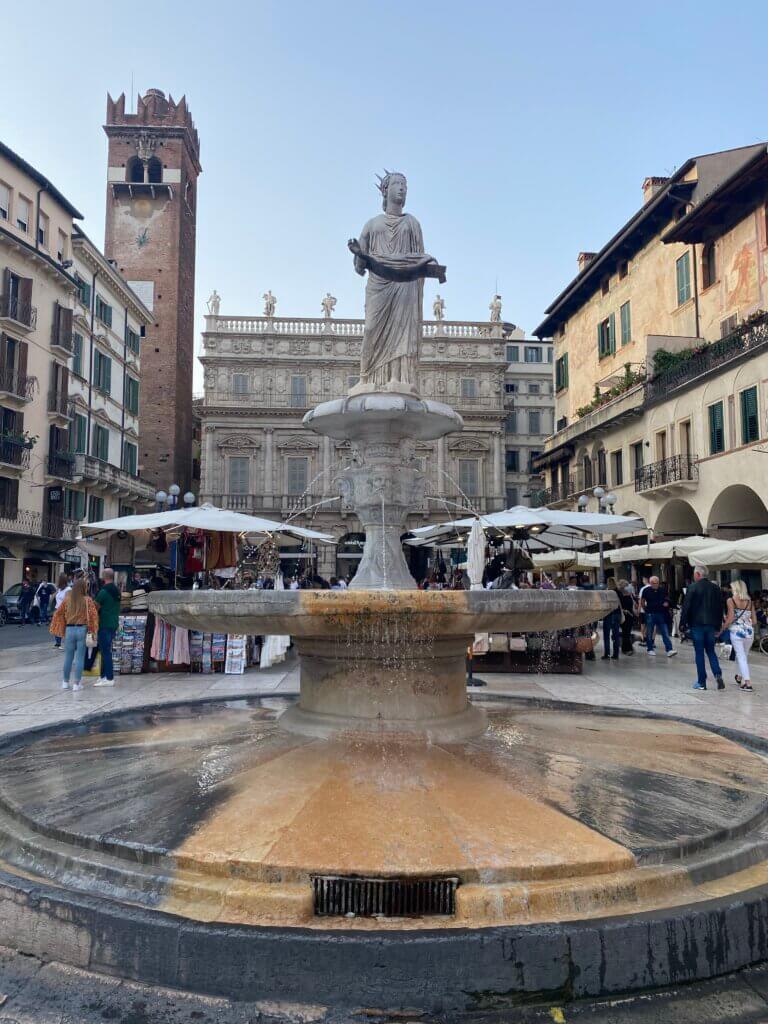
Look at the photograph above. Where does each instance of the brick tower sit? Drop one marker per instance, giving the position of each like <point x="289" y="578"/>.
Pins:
<point x="154" y="161"/>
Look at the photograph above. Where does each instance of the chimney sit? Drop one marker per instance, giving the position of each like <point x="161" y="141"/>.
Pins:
<point x="651" y="186"/>
<point x="584" y="259"/>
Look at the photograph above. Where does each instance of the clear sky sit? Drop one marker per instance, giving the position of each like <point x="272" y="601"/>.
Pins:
<point x="525" y="129"/>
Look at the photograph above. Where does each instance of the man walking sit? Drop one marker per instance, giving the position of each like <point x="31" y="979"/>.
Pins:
<point x="702" y="616"/>
<point x="108" y="601"/>
<point x="26" y="598"/>
<point x="655" y="604"/>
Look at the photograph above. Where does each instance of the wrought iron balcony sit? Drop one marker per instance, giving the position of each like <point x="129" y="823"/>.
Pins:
<point x="552" y="495"/>
<point x="61" y="338"/>
<point x="16" y="385"/>
<point x="22" y="521"/>
<point x="677" y="471"/>
<point x="14" y="452"/>
<point x="22" y="313"/>
<point x="60" y="404"/>
<point x="61" y="465"/>
<point x="748" y="338"/>
<point x="56" y="527"/>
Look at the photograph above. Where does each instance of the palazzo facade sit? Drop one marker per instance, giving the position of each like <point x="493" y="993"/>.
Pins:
<point x="263" y="373"/>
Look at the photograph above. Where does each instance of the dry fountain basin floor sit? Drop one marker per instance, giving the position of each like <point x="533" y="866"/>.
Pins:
<point x="591" y="852"/>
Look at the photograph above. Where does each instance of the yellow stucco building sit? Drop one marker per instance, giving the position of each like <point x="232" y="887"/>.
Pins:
<point x="661" y="356"/>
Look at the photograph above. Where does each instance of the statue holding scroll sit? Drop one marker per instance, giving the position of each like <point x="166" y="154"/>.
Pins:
<point x="391" y="249"/>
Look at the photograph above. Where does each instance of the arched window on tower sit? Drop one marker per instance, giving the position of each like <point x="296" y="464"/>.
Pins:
<point x="155" y="169"/>
<point x="708" y="265"/>
<point x="135" y="170"/>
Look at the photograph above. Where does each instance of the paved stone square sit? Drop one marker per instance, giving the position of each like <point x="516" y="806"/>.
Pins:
<point x="30" y="694"/>
<point x="30" y="697"/>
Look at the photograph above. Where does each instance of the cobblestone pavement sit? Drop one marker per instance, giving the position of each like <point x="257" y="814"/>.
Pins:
<point x="31" y="993"/>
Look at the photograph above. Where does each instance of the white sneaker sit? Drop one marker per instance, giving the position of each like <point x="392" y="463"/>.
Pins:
<point x="651" y="654"/>
<point x="76" y="687"/>
<point x="671" y="654"/>
<point x="64" y="684"/>
<point x="104" y="682"/>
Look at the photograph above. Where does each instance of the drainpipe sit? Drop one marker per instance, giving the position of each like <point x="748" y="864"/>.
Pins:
<point x="696" y="291"/>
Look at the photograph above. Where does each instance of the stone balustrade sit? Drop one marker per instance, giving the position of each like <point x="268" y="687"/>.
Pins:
<point x="347" y="328"/>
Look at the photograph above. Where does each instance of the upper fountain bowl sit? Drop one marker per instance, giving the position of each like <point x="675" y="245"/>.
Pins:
<point x="383" y="417"/>
<point x="326" y="613"/>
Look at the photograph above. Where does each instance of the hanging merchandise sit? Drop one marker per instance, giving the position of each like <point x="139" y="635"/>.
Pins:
<point x="120" y="550"/>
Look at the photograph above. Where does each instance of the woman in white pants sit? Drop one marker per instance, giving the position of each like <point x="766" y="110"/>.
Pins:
<point x="740" y="622"/>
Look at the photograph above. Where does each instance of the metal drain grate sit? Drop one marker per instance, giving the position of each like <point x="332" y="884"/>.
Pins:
<point x="384" y="897"/>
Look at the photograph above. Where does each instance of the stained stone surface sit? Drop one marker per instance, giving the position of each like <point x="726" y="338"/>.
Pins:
<point x="226" y="817"/>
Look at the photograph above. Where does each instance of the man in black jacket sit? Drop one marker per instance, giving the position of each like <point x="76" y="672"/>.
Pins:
<point x="702" y="615"/>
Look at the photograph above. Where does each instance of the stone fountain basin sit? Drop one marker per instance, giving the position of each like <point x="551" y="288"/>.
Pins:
<point x="328" y="613"/>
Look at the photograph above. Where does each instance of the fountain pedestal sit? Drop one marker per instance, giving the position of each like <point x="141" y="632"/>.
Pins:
<point x="384" y="482"/>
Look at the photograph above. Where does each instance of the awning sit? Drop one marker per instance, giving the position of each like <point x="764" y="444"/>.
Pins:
<point x="734" y="554"/>
<point x="43" y="556"/>
<point x="661" y="551"/>
<point x="5" y="553"/>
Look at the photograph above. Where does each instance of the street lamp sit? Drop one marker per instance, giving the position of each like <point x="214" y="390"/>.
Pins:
<point x="189" y="498"/>
<point x="160" y="499"/>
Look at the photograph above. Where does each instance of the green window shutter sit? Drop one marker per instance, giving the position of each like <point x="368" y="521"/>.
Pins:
<point x="612" y="333"/>
<point x="107" y="375"/>
<point x="750" y="427"/>
<point x="716" y="432"/>
<point x="565" y="370"/>
<point x="77" y="354"/>
<point x="600" y="339"/>
<point x="626" y="324"/>
<point x="683" y="267"/>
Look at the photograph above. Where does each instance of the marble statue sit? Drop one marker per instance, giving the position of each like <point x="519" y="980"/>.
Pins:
<point x="391" y="249"/>
<point x="328" y="305"/>
<point x="438" y="308"/>
<point x="270" y="303"/>
<point x="214" y="303"/>
<point x="495" y="308"/>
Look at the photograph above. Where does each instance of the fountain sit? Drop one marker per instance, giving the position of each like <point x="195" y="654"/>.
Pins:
<point x="383" y="841"/>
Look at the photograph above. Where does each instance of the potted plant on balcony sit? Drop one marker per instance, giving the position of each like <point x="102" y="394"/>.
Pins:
<point x="23" y="440"/>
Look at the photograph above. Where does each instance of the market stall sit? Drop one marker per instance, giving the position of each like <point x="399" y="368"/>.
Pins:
<point x="203" y="546"/>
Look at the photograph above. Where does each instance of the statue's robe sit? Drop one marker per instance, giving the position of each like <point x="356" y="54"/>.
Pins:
<point x="393" y="308"/>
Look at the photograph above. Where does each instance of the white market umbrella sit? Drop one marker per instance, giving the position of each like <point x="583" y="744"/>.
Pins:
<point x="662" y="551"/>
<point x="548" y="528"/>
<point x="563" y="560"/>
<point x="733" y="554"/>
<point x="202" y="517"/>
<point x="476" y="555"/>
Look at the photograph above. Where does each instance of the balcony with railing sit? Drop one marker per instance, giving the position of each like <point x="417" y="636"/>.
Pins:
<point x="21" y="521"/>
<point x="61" y="465"/>
<point x="56" y="527"/>
<point x="679" y="472"/>
<point x="60" y="406"/>
<point x="267" y="399"/>
<point x="557" y="494"/>
<point x="16" y="387"/>
<point x="14" y="453"/>
<point x="62" y="338"/>
<point x="20" y="314"/>
<point x="107" y="477"/>
<point x="748" y="339"/>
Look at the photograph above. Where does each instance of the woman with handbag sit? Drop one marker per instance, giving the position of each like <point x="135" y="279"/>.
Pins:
<point x="740" y="623"/>
<point x="77" y="621"/>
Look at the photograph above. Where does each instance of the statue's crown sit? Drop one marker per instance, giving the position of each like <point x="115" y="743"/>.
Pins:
<point x="383" y="183"/>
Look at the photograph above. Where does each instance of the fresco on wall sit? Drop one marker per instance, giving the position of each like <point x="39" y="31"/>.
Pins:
<point x="742" y="277"/>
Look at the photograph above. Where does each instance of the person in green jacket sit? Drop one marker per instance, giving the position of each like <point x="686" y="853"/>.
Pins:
<point x="108" y="602"/>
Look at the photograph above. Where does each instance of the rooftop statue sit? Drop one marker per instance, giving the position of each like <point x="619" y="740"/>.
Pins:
<point x="391" y="249"/>
<point x="214" y="303"/>
<point x="328" y="304"/>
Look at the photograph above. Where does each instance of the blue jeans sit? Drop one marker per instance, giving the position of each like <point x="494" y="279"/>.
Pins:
<point x="105" y="637"/>
<point x="654" y="621"/>
<point x="704" y="643"/>
<point x="74" y="652"/>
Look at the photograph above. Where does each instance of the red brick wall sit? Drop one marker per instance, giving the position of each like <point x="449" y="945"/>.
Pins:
<point x="166" y="227"/>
